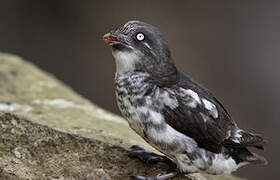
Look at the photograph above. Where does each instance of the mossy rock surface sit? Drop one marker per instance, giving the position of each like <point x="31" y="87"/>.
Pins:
<point x="47" y="131"/>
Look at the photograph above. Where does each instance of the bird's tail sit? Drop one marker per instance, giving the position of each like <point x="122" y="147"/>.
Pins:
<point x="245" y="139"/>
<point x="243" y="155"/>
<point x="238" y="147"/>
<point x="256" y="159"/>
<point x="253" y="140"/>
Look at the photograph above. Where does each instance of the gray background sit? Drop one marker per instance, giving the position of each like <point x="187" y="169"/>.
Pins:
<point x="232" y="47"/>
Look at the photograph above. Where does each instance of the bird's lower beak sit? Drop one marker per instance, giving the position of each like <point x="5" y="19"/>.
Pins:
<point x="109" y="39"/>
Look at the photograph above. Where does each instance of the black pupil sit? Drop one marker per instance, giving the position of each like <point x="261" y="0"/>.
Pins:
<point x="140" y="36"/>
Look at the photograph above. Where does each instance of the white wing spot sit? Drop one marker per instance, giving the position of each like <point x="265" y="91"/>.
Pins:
<point x="211" y="107"/>
<point x="169" y="101"/>
<point x="237" y="133"/>
<point x="196" y="100"/>
<point x="236" y="141"/>
<point x="193" y="95"/>
<point x="237" y="136"/>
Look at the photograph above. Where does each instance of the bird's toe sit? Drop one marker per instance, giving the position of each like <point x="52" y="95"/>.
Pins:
<point x="140" y="178"/>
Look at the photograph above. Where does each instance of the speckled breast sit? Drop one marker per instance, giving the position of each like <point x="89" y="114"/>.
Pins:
<point x="120" y="97"/>
<point x="129" y="86"/>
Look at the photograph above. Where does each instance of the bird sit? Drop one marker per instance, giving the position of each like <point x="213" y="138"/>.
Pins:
<point x="173" y="113"/>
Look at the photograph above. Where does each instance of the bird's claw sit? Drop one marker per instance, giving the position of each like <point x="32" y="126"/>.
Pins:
<point x="147" y="156"/>
<point x="158" y="177"/>
<point x="140" y="178"/>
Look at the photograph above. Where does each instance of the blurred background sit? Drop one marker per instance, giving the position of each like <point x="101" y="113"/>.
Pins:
<point x="232" y="47"/>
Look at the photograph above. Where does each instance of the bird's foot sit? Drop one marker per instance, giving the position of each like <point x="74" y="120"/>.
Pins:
<point x="149" y="157"/>
<point x="158" y="177"/>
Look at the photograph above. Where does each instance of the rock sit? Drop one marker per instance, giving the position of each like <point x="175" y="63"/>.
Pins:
<point x="98" y="174"/>
<point x="47" y="131"/>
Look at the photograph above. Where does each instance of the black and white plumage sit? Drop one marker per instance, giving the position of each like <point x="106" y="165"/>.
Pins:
<point x="172" y="112"/>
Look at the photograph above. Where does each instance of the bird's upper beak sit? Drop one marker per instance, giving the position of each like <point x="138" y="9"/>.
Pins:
<point x="110" y="39"/>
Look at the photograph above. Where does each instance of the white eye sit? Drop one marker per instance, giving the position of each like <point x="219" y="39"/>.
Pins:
<point x="140" y="36"/>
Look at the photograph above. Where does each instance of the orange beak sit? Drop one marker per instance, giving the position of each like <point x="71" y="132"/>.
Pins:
<point x="108" y="39"/>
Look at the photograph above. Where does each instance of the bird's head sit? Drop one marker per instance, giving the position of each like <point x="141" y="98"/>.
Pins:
<point x="138" y="46"/>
